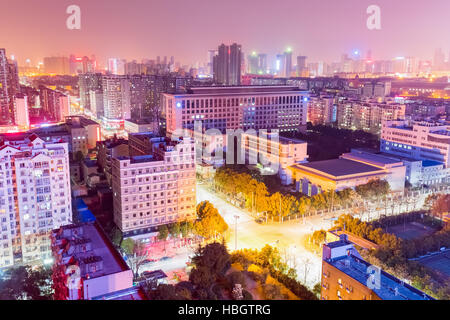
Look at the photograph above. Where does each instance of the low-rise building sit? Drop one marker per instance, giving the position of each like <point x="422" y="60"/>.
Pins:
<point x="275" y="154"/>
<point x="86" y="264"/>
<point x="141" y="125"/>
<point x="333" y="175"/>
<point x="346" y="276"/>
<point x="395" y="168"/>
<point x="420" y="140"/>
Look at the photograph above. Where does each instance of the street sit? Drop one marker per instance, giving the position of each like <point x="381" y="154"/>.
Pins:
<point x="287" y="237"/>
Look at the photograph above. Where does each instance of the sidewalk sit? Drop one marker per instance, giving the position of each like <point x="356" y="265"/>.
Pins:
<point x="169" y="248"/>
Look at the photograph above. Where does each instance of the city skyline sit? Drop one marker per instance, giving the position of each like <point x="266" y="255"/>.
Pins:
<point x="179" y="29"/>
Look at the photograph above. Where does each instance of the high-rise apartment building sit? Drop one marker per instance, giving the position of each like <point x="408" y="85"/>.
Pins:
<point x="252" y="63"/>
<point x="367" y="115"/>
<point x="34" y="198"/>
<point x="21" y="116"/>
<point x="280" y="65"/>
<point x="321" y="109"/>
<point x="301" y="66"/>
<point x="89" y="84"/>
<point x="154" y="189"/>
<point x="9" y="87"/>
<point x="227" y="65"/>
<point x="80" y="65"/>
<point x="116" y="97"/>
<point x="4" y="95"/>
<point x="266" y="107"/>
<point x="55" y="104"/>
<point x="439" y="60"/>
<point x="288" y="62"/>
<point x="116" y="66"/>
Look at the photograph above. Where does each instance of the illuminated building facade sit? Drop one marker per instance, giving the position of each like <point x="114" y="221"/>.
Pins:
<point x="35" y="198"/>
<point x="22" y="118"/>
<point x="334" y="175"/>
<point x="116" y="100"/>
<point x="422" y="140"/>
<point x="54" y="103"/>
<point x="155" y="189"/>
<point x="275" y="152"/>
<point x="321" y="110"/>
<point x="356" y="114"/>
<point x="267" y="107"/>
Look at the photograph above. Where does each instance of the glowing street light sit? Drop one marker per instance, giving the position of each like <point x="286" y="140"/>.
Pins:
<point x="236" y="217"/>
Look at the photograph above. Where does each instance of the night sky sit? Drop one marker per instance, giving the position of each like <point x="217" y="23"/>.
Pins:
<point x="186" y="29"/>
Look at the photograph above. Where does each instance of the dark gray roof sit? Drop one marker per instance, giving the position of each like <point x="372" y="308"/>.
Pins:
<point x="339" y="167"/>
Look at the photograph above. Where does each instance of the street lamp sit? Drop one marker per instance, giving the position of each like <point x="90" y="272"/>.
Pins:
<point x="236" y="217"/>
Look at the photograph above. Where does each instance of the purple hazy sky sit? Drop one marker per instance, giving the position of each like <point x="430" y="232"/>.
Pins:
<point x="186" y="29"/>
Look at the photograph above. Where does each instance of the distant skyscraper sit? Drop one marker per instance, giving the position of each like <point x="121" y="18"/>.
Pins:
<point x="79" y="65"/>
<point x="439" y="60"/>
<point x="280" y="65"/>
<point x="262" y="63"/>
<point x="210" y="64"/>
<point x="252" y="61"/>
<point x="288" y="62"/>
<point x="235" y="65"/>
<point x="116" y="97"/>
<point x="86" y="83"/>
<point x="4" y="97"/>
<point x="116" y="66"/>
<point x="57" y="65"/>
<point x="21" y="111"/>
<point x="227" y="65"/>
<point x="301" y="65"/>
<point x="9" y="86"/>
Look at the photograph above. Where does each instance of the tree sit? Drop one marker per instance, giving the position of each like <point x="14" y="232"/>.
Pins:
<point x="317" y="290"/>
<point x="209" y="222"/>
<point x="214" y="257"/>
<point x="24" y="283"/>
<point x="136" y="254"/>
<point x="163" y="232"/>
<point x="441" y="205"/>
<point x="175" y="229"/>
<point x="116" y="237"/>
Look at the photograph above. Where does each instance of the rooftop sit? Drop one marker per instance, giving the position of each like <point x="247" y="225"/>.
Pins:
<point x="241" y="90"/>
<point x="101" y="248"/>
<point x="431" y="163"/>
<point x="391" y="288"/>
<point x="133" y="293"/>
<point x="141" y="121"/>
<point x="338" y="167"/>
<point x="374" y="157"/>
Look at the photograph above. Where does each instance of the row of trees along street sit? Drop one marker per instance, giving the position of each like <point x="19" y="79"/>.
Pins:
<point x="254" y="196"/>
